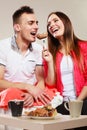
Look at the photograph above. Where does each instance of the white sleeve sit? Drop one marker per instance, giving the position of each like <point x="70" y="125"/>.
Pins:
<point x="2" y="55"/>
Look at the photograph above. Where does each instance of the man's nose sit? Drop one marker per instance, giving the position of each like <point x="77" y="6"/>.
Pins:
<point x="36" y="26"/>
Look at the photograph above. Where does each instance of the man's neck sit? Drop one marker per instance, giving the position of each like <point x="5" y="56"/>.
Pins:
<point x="23" y="45"/>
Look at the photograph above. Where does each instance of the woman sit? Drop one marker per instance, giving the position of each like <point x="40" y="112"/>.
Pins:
<point x="69" y="55"/>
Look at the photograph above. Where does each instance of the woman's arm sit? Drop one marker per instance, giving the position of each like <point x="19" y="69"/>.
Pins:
<point x="50" y="74"/>
<point x="83" y="94"/>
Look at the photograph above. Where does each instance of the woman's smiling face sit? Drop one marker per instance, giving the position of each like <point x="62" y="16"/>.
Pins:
<point x="55" y="26"/>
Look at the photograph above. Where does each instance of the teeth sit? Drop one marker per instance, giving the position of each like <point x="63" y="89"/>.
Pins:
<point x="54" y="33"/>
<point x="55" y="30"/>
<point x="33" y="33"/>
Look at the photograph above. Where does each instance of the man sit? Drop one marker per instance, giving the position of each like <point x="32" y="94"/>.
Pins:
<point x="21" y="59"/>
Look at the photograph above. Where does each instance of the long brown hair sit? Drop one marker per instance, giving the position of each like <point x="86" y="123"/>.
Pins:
<point x="71" y="41"/>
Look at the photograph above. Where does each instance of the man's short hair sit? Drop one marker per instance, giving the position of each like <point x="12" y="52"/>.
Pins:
<point x="20" y="11"/>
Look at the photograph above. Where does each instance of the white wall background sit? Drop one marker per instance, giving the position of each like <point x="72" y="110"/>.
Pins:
<point x="75" y="9"/>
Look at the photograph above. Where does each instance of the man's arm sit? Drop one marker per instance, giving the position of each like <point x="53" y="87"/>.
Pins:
<point x="6" y="84"/>
<point x="40" y="87"/>
<point x="36" y="91"/>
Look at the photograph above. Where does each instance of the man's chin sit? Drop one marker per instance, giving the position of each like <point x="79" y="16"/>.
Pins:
<point x="33" y="40"/>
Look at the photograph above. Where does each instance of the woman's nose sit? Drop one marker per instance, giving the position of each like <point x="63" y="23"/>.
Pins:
<point x="51" y="24"/>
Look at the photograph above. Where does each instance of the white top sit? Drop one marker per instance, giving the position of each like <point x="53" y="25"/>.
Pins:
<point x="19" y="68"/>
<point x="67" y="78"/>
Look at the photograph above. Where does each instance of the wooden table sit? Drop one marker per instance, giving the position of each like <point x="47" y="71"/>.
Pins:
<point x="61" y="122"/>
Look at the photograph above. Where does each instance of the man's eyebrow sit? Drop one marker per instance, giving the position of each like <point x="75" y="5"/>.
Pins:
<point x="33" y="21"/>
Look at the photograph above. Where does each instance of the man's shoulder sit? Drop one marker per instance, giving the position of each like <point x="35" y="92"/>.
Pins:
<point x="6" y="40"/>
<point x="5" y="44"/>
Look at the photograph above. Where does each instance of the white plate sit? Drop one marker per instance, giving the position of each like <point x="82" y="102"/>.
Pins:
<point x="43" y="118"/>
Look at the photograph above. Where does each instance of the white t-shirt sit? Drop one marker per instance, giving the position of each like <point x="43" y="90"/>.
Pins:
<point x="19" y="68"/>
<point x="67" y="78"/>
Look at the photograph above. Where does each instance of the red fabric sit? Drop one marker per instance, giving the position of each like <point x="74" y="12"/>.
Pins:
<point x="9" y="94"/>
<point x="15" y="93"/>
<point x="80" y="78"/>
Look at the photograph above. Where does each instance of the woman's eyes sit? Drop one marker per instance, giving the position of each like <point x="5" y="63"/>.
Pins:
<point x="49" y="24"/>
<point x="56" y="20"/>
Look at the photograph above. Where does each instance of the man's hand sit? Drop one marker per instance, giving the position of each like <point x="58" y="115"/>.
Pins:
<point x="40" y="95"/>
<point x="43" y="98"/>
<point x="28" y="100"/>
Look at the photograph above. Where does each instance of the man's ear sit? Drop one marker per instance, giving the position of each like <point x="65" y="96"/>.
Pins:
<point x="16" y="27"/>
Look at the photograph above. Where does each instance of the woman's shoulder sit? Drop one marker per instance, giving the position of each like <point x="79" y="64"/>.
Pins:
<point x="83" y="46"/>
<point x="82" y="43"/>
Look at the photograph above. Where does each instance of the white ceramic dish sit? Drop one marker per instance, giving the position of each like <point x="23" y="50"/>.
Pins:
<point x="43" y="118"/>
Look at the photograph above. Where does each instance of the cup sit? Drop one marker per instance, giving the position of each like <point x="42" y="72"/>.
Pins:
<point x="16" y="107"/>
<point x="74" y="107"/>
